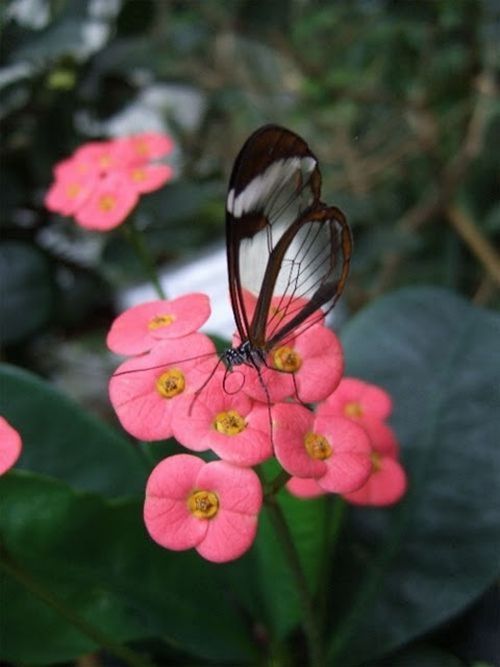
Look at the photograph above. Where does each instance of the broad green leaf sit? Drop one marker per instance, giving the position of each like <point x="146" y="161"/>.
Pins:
<point x="414" y="566"/>
<point x="96" y="557"/>
<point x="26" y="291"/>
<point x="62" y="440"/>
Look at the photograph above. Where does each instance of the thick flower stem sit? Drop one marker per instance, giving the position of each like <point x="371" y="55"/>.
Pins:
<point x="38" y="590"/>
<point x="136" y="240"/>
<point x="310" y="622"/>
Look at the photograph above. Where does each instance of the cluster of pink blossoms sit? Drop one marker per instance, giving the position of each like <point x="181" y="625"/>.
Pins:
<point x="102" y="181"/>
<point x="173" y="386"/>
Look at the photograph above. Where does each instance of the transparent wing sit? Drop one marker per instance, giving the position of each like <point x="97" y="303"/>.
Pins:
<point x="288" y="254"/>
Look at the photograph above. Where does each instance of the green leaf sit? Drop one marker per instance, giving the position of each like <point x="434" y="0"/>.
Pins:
<point x="420" y="655"/>
<point x="412" y="567"/>
<point x="26" y="293"/>
<point x="63" y="441"/>
<point x="94" y="558"/>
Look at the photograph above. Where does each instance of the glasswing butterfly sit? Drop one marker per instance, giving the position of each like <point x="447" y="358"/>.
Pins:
<point x="288" y="253"/>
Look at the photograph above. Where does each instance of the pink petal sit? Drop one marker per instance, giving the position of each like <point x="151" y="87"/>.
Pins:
<point x="384" y="487"/>
<point x="304" y="488"/>
<point x="373" y="400"/>
<point x="10" y="445"/>
<point x="132" y="332"/>
<point x="228" y="537"/>
<point x="109" y="204"/>
<point x="291" y="423"/>
<point x="382" y="436"/>
<point x="166" y="513"/>
<point x="147" y="146"/>
<point x="253" y="445"/>
<point x="67" y="194"/>
<point x="322" y="365"/>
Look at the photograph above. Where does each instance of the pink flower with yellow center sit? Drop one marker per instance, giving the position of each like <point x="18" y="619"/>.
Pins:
<point x="386" y="484"/>
<point x="145" y="147"/>
<point x="69" y="192"/>
<point x="139" y="328"/>
<point x="145" y="390"/>
<point x="110" y="202"/>
<point x="236" y="428"/>
<point x="10" y="445"/>
<point x="308" y="367"/>
<point x="357" y="400"/>
<point x="335" y="452"/>
<point x="212" y="507"/>
<point x="304" y="487"/>
<point x="148" y="177"/>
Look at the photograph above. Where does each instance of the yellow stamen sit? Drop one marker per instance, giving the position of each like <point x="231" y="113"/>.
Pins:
<point x="160" y="321"/>
<point x="105" y="161"/>
<point x="139" y="175"/>
<point x="286" y="359"/>
<point x="72" y="190"/>
<point x="107" y="203"/>
<point x="171" y="383"/>
<point x="317" y="446"/>
<point x="141" y="148"/>
<point x="376" y="461"/>
<point x="353" y="410"/>
<point x="229" y="423"/>
<point x="203" y="504"/>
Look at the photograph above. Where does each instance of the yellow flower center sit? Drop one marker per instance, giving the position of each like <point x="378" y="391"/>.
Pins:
<point x="171" y="383"/>
<point x="376" y="461"/>
<point x="160" y="321"/>
<point x="317" y="446"/>
<point x="286" y="359"/>
<point x="107" y="203"/>
<point x="141" y="148"/>
<point x="73" y="190"/>
<point x="203" y="504"/>
<point x="139" y="175"/>
<point x="229" y="423"/>
<point x="105" y="161"/>
<point x="353" y="410"/>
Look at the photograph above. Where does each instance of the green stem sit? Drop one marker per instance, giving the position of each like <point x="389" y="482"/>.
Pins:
<point x="39" y="591"/>
<point x="310" y="622"/>
<point x="136" y="240"/>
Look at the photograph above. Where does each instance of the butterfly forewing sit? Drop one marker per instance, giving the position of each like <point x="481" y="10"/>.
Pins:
<point x="288" y="254"/>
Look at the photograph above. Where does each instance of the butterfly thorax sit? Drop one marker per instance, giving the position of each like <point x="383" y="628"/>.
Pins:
<point x="245" y="353"/>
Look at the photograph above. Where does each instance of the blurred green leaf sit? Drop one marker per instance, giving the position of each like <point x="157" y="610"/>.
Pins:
<point x="62" y="440"/>
<point x="26" y="291"/>
<point x="96" y="557"/>
<point x="414" y="566"/>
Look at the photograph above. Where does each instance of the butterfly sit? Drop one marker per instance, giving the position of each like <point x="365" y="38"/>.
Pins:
<point x="288" y="253"/>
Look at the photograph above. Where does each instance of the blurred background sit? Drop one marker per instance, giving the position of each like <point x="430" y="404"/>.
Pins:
<point x="399" y="100"/>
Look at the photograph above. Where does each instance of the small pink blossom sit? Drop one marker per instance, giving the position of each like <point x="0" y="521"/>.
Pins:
<point x="146" y="146"/>
<point x="357" y="400"/>
<point x="139" y="328"/>
<point x="283" y="309"/>
<point x="386" y="485"/>
<point x="111" y="201"/>
<point x="308" y="367"/>
<point x="69" y="192"/>
<point x="146" y="390"/>
<point x="10" y="445"/>
<point x="334" y="451"/>
<point x="148" y="177"/>
<point x="236" y="428"/>
<point x="212" y="507"/>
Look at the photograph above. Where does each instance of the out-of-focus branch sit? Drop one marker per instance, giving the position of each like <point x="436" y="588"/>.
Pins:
<point x="475" y="240"/>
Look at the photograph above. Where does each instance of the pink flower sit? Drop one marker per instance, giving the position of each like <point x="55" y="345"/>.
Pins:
<point x="333" y="451"/>
<point x="283" y="308"/>
<point x="308" y="367"/>
<point x="386" y="485"/>
<point x="69" y="192"/>
<point x="148" y="177"/>
<point x="146" y="146"/>
<point x="111" y="201"/>
<point x="212" y="507"/>
<point x="226" y="421"/>
<point x="139" y="328"/>
<point x="146" y="390"/>
<point x="10" y="446"/>
<point x="357" y="400"/>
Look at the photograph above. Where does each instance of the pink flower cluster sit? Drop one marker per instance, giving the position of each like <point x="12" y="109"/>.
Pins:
<point x="102" y="181"/>
<point x="174" y="386"/>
